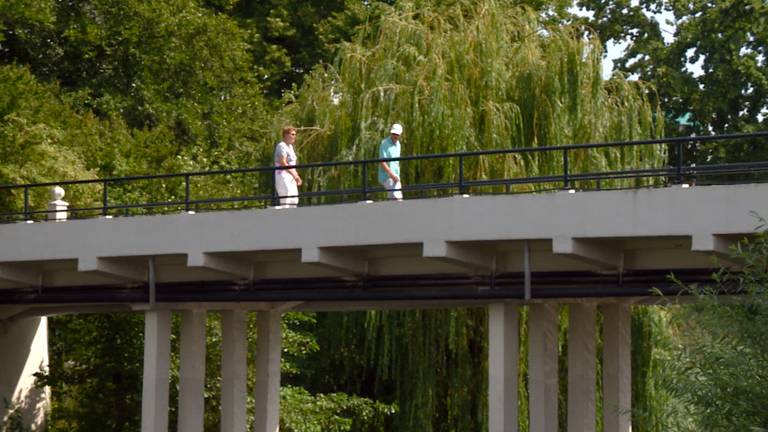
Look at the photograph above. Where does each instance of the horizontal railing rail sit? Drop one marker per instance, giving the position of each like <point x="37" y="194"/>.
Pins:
<point x="17" y="204"/>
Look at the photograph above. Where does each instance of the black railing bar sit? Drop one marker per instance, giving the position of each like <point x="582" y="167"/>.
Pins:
<point x="573" y="147"/>
<point x="249" y="198"/>
<point x="596" y="174"/>
<point x="709" y="173"/>
<point x="759" y="164"/>
<point x="516" y="181"/>
<point x="359" y="191"/>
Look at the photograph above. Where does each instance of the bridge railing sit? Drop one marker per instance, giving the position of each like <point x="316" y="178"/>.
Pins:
<point x="254" y="187"/>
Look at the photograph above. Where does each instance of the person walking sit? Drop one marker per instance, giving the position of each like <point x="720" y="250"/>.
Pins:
<point x="287" y="181"/>
<point x="389" y="172"/>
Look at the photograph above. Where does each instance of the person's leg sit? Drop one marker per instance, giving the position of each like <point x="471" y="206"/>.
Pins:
<point x="281" y="185"/>
<point x="398" y="192"/>
<point x="293" y="194"/>
<point x="391" y="187"/>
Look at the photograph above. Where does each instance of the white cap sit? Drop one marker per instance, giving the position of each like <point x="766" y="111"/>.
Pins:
<point x="397" y="128"/>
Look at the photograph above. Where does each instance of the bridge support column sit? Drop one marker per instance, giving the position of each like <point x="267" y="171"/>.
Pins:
<point x="157" y="361"/>
<point x="267" y="386"/>
<point x="582" y="366"/>
<point x="617" y="369"/>
<point x="25" y="351"/>
<point x="234" y="368"/>
<point x="542" y="367"/>
<point x="192" y="371"/>
<point x="503" y="356"/>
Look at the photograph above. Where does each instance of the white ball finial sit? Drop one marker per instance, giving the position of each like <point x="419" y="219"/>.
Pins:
<point x="57" y="193"/>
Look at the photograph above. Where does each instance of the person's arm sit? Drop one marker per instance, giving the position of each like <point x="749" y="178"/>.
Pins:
<point x="291" y="171"/>
<point x="389" y="172"/>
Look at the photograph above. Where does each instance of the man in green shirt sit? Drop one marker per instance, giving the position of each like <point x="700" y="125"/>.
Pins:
<point x="389" y="172"/>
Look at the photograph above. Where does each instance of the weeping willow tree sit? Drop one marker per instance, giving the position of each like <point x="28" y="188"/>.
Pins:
<point x="470" y="75"/>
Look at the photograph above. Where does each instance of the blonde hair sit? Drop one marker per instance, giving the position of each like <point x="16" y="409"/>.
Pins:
<point x="288" y="129"/>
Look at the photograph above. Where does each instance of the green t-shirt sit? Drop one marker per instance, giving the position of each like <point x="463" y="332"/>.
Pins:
<point x="388" y="149"/>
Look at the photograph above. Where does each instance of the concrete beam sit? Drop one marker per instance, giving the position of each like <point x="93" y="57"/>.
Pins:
<point x="591" y="252"/>
<point x="333" y="259"/>
<point x="24" y="276"/>
<point x="582" y="366"/>
<point x="192" y="371"/>
<point x="234" y="372"/>
<point x="457" y="254"/>
<point x="112" y="268"/>
<point x="221" y="264"/>
<point x="617" y="367"/>
<point x="542" y="367"/>
<point x="157" y="363"/>
<point x="503" y="357"/>
<point x="712" y="244"/>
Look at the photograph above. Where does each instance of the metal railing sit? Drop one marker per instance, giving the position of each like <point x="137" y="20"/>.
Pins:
<point x="676" y="169"/>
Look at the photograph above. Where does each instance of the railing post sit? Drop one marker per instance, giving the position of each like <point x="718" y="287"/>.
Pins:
<point x="104" y="199"/>
<point x="186" y="192"/>
<point x="679" y="169"/>
<point x="461" y="175"/>
<point x="272" y="174"/>
<point x="365" y="181"/>
<point x="566" y="181"/>
<point x="26" y="203"/>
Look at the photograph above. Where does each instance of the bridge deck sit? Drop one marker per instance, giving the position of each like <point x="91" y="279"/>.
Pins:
<point x="588" y="241"/>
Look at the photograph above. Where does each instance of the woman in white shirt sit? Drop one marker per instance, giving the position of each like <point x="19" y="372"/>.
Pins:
<point x="287" y="181"/>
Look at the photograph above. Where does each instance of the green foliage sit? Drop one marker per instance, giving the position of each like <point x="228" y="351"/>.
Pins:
<point x="95" y="358"/>
<point x="704" y="364"/>
<point x="723" y="345"/>
<point x="727" y="39"/>
<point x="337" y="412"/>
<point x="42" y="139"/>
<point x="289" y="37"/>
<point x="427" y="363"/>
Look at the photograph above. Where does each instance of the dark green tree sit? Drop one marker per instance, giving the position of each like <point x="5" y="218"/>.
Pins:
<point x="727" y="40"/>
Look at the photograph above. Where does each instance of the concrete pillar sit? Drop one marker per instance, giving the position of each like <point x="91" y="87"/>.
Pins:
<point x="267" y="386"/>
<point x="234" y="369"/>
<point x="192" y="371"/>
<point x="157" y="361"/>
<point x="582" y="366"/>
<point x="542" y="367"/>
<point x="503" y="356"/>
<point x="24" y="351"/>
<point x="617" y="367"/>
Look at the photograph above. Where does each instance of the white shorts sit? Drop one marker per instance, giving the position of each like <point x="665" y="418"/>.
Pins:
<point x="390" y="185"/>
<point x="287" y="189"/>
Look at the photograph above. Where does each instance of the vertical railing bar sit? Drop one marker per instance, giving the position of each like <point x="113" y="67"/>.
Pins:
<point x="104" y="199"/>
<point x="186" y="193"/>
<point x="365" y="181"/>
<point x="566" y="181"/>
<point x="679" y="162"/>
<point x="461" y="175"/>
<point x="272" y="174"/>
<point x="26" y="203"/>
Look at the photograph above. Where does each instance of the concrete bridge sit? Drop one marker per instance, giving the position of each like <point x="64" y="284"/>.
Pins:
<point x="587" y="250"/>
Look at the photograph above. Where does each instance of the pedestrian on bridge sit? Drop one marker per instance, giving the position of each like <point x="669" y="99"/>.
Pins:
<point x="287" y="181"/>
<point x="389" y="172"/>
